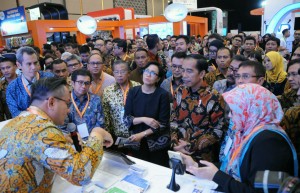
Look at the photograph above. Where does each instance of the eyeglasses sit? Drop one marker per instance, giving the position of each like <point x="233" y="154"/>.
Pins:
<point x="233" y="69"/>
<point x="293" y="74"/>
<point x="68" y="103"/>
<point x="122" y="72"/>
<point x="177" y="67"/>
<point x="96" y="63"/>
<point x="81" y="83"/>
<point x="116" y="47"/>
<point x="245" y="76"/>
<point x="73" y="65"/>
<point x="150" y="73"/>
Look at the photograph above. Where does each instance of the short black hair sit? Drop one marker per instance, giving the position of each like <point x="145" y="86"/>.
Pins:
<point x="84" y="49"/>
<point x="216" y="36"/>
<point x="250" y="38"/>
<point x="45" y="87"/>
<point x="201" y="62"/>
<point x="118" y="62"/>
<point x="257" y="55"/>
<point x="152" y="40"/>
<point x="106" y="41"/>
<point x="284" y="31"/>
<point x="274" y="39"/>
<point x="237" y="36"/>
<point x="240" y="58"/>
<point x="81" y="72"/>
<point x="186" y="38"/>
<point x="161" y="73"/>
<point x="292" y="62"/>
<point x="141" y="50"/>
<point x="180" y="55"/>
<point x="54" y="44"/>
<point x="58" y="61"/>
<point x="122" y="44"/>
<point x="173" y="37"/>
<point x="225" y="48"/>
<point x="47" y="46"/>
<point x="259" y="69"/>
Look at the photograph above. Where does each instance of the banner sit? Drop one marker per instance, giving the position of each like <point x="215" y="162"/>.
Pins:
<point x="190" y="4"/>
<point x="13" y="21"/>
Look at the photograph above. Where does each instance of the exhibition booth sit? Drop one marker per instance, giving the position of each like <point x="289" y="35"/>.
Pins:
<point x="39" y="30"/>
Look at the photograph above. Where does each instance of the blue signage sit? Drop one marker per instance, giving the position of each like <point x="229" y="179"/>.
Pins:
<point x="13" y="21"/>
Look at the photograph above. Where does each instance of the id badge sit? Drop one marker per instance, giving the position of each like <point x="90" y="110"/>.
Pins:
<point x="122" y="114"/>
<point x="83" y="130"/>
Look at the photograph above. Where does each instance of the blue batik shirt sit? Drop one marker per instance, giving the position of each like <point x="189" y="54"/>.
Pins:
<point x="17" y="98"/>
<point x="93" y="116"/>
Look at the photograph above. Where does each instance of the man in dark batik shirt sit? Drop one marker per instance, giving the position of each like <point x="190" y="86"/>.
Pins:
<point x="198" y="113"/>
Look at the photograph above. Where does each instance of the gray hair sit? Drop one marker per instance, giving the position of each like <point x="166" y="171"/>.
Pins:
<point x="73" y="57"/>
<point x="26" y="49"/>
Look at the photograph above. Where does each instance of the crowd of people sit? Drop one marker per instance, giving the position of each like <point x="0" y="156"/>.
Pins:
<point x="230" y="100"/>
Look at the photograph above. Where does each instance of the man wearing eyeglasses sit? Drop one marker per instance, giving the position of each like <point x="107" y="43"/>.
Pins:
<point x="228" y="84"/>
<point x="18" y="91"/>
<point x="289" y="97"/>
<point x="85" y="109"/>
<point x="8" y="68"/>
<point x="223" y="59"/>
<point x="251" y="72"/>
<point x="101" y="80"/>
<point x="33" y="149"/>
<point x="114" y="100"/>
<point x="173" y="82"/>
<point x="236" y="44"/>
<point x="73" y="63"/>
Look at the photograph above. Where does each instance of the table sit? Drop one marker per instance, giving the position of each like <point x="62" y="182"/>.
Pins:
<point x="109" y="172"/>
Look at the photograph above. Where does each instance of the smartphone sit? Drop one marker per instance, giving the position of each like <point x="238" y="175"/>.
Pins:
<point x="176" y="155"/>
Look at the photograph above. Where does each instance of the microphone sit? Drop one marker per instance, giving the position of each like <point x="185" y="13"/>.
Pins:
<point x="71" y="127"/>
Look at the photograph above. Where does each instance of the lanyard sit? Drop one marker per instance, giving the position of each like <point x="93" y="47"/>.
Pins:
<point x="125" y="93"/>
<point x="26" y="88"/>
<point x="171" y="87"/>
<point x="76" y="107"/>
<point x="99" y="85"/>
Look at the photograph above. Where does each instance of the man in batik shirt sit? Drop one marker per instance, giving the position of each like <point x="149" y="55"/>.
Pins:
<point x="86" y="109"/>
<point x="114" y="99"/>
<point x="8" y="68"/>
<point x="33" y="149"/>
<point x="198" y="115"/>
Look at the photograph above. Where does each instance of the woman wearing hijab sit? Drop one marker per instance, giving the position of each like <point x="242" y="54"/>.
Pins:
<point x="275" y="74"/>
<point x="254" y="141"/>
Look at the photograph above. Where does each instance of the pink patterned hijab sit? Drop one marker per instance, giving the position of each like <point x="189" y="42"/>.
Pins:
<point x="252" y="107"/>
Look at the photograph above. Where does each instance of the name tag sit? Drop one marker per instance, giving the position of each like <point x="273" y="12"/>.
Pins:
<point x="122" y="114"/>
<point x="83" y="130"/>
<point x="228" y="146"/>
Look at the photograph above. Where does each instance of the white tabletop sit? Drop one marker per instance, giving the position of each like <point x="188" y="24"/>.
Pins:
<point x="109" y="172"/>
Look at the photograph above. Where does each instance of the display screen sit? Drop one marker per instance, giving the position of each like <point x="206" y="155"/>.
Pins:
<point x="13" y="21"/>
<point x="161" y="29"/>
